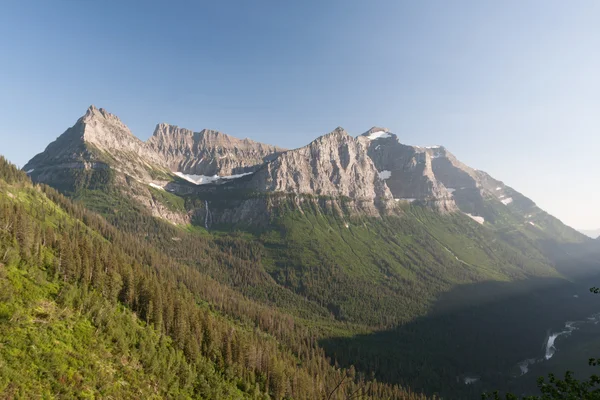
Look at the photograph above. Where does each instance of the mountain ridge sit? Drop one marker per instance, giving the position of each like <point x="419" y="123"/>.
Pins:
<point x="208" y="152"/>
<point x="365" y="230"/>
<point x="371" y="169"/>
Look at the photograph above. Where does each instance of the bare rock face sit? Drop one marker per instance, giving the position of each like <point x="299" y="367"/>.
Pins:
<point x="472" y="188"/>
<point x="335" y="165"/>
<point x="450" y="171"/>
<point x="109" y="134"/>
<point x="96" y="141"/>
<point x="209" y="152"/>
<point x="407" y="170"/>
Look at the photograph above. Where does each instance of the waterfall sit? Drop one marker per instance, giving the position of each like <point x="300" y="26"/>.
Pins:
<point x="208" y="216"/>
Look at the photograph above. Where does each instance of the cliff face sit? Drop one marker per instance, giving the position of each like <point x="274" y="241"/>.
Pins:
<point x="337" y="173"/>
<point x="209" y="152"/>
<point x="98" y="140"/>
<point x="407" y="170"/>
<point x="99" y="152"/>
<point x="334" y="165"/>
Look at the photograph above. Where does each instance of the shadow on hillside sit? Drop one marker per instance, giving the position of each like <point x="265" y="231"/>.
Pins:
<point x="574" y="260"/>
<point x="479" y="330"/>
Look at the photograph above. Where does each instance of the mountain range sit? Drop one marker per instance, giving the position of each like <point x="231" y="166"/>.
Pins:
<point x="368" y="173"/>
<point x="359" y="237"/>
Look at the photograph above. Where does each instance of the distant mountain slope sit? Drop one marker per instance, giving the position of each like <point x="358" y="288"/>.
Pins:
<point x="593" y="233"/>
<point x="435" y="176"/>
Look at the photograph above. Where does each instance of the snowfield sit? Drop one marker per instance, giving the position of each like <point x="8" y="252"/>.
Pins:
<point x="203" y="179"/>
<point x="379" y="135"/>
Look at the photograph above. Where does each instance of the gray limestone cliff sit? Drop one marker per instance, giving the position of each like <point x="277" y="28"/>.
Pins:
<point x="333" y="165"/>
<point x="407" y="170"/>
<point x="209" y="152"/>
<point x="342" y="173"/>
<point x="98" y="140"/>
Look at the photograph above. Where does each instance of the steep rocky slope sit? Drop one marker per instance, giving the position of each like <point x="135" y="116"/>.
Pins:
<point x="209" y="152"/>
<point x="407" y="170"/>
<point x="345" y="174"/>
<point x="434" y="176"/>
<point x="98" y="140"/>
<point x="100" y="154"/>
<point x="333" y="165"/>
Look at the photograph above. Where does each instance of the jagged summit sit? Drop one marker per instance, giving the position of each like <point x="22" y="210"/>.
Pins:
<point x="335" y="164"/>
<point x="375" y="129"/>
<point x="370" y="169"/>
<point x="337" y="133"/>
<point x="408" y="170"/>
<point x="208" y="152"/>
<point x="97" y="140"/>
<point x="95" y="111"/>
<point x="164" y="130"/>
<point x="376" y="133"/>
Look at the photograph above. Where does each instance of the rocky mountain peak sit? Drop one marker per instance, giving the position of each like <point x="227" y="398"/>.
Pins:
<point x="376" y="129"/>
<point x="108" y="133"/>
<point x="209" y="152"/>
<point x="99" y="115"/>
<point x="165" y="131"/>
<point x="336" y="134"/>
<point x="335" y="164"/>
<point x="407" y="170"/>
<point x="376" y="133"/>
<point x="98" y="139"/>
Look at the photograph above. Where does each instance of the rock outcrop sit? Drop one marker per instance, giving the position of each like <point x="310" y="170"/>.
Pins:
<point x="407" y="170"/>
<point x="335" y="172"/>
<point x="98" y="140"/>
<point x="209" y="152"/>
<point x="334" y="165"/>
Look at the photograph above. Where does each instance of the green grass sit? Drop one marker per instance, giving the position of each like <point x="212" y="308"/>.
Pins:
<point x="171" y="201"/>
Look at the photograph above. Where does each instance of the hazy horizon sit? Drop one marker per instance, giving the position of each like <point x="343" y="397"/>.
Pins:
<point x="511" y="89"/>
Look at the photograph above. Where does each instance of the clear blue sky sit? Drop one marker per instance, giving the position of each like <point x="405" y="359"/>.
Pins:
<point x="510" y="87"/>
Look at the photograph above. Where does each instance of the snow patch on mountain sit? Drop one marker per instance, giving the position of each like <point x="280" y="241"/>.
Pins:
<point x="409" y="199"/>
<point x="476" y="218"/>
<point x="236" y="175"/>
<point x="198" y="179"/>
<point x="379" y="135"/>
<point x="507" y="201"/>
<point x="155" y="186"/>
<point x="383" y="175"/>
<point x="203" y="179"/>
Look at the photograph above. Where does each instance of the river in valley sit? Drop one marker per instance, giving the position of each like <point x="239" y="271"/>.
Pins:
<point x="550" y="345"/>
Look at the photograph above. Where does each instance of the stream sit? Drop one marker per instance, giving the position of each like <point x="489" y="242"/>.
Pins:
<point x="550" y="346"/>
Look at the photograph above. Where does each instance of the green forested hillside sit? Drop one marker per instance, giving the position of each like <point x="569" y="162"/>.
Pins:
<point x="89" y="311"/>
<point x="402" y="297"/>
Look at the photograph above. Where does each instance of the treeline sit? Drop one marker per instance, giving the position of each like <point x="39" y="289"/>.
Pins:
<point x="265" y="353"/>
